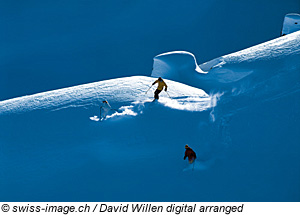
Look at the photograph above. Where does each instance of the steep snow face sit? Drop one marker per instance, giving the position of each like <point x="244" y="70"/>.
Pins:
<point x="291" y="23"/>
<point x="121" y="91"/>
<point x="236" y="71"/>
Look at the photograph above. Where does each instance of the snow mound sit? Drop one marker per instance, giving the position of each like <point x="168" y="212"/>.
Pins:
<point x="116" y="91"/>
<point x="241" y="69"/>
<point x="291" y="23"/>
<point x="175" y="64"/>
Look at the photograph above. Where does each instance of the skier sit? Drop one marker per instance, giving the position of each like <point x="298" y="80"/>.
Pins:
<point x="104" y="109"/>
<point x="161" y="85"/>
<point x="190" y="154"/>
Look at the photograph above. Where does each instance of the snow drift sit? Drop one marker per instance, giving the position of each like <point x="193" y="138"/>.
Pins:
<point x="291" y="23"/>
<point x="236" y="71"/>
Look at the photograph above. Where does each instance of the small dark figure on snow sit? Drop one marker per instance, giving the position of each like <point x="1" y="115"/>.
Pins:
<point x="160" y="87"/>
<point x="104" y="109"/>
<point x="190" y="154"/>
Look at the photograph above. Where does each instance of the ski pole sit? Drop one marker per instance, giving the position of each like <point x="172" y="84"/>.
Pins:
<point x="100" y="113"/>
<point x="194" y="164"/>
<point x="168" y="94"/>
<point x="148" y="89"/>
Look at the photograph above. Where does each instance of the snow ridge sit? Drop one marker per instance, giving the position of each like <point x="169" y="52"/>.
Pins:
<point x="120" y="90"/>
<point x="223" y="73"/>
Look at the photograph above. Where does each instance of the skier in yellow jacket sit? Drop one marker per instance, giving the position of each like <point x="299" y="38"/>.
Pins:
<point x="160" y="87"/>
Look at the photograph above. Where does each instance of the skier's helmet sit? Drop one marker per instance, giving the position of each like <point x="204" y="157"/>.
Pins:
<point x="186" y="146"/>
<point x="160" y="79"/>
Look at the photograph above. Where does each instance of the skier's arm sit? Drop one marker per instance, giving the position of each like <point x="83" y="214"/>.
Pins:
<point x="166" y="86"/>
<point x="185" y="155"/>
<point x="155" y="82"/>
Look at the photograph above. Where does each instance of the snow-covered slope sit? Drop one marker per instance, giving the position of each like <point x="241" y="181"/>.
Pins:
<point x="120" y="91"/>
<point x="236" y="71"/>
<point x="246" y="138"/>
<point x="47" y="140"/>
